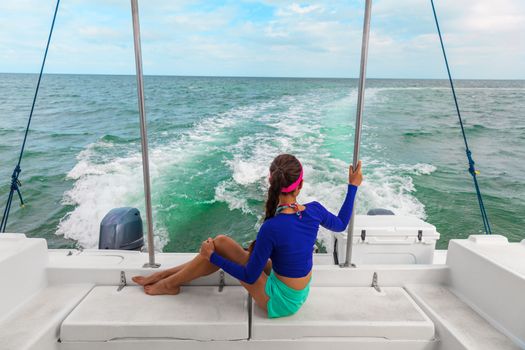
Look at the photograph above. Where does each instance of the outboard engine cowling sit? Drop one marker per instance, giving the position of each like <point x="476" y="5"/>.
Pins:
<point x="121" y="228"/>
<point x="380" y="211"/>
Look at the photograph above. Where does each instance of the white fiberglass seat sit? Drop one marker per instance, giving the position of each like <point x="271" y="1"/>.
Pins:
<point x="458" y="325"/>
<point x="198" y="313"/>
<point x="349" y="312"/>
<point x="35" y="325"/>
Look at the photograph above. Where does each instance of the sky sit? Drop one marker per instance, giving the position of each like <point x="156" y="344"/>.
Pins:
<point x="485" y="39"/>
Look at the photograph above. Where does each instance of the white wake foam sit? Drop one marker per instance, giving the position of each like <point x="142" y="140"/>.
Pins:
<point x="103" y="182"/>
<point x="298" y="130"/>
<point x="291" y="124"/>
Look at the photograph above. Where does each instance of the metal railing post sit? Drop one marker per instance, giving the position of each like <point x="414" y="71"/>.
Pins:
<point x="143" y="132"/>
<point x="359" y="121"/>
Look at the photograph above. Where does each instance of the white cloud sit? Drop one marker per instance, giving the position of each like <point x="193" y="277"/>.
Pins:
<point x="321" y="38"/>
<point x="305" y="9"/>
<point x="99" y="32"/>
<point x="296" y="8"/>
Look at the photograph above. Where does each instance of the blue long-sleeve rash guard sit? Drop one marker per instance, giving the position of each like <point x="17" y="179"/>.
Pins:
<point x="288" y="240"/>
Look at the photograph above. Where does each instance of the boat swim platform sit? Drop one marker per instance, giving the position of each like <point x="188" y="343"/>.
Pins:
<point x="68" y="299"/>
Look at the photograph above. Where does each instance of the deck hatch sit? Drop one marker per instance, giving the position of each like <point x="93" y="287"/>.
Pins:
<point x="349" y="312"/>
<point x="197" y="313"/>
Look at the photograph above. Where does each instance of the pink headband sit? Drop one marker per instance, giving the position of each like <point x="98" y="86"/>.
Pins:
<point x="295" y="184"/>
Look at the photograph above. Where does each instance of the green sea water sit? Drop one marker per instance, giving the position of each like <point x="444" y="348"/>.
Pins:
<point x="212" y="140"/>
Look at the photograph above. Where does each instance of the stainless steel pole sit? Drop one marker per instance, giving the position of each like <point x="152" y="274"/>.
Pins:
<point x="143" y="132"/>
<point x="359" y="120"/>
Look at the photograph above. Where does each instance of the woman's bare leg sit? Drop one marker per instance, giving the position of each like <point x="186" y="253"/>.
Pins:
<point x="195" y="268"/>
<point x="258" y="292"/>
<point x="157" y="276"/>
<point x="199" y="266"/>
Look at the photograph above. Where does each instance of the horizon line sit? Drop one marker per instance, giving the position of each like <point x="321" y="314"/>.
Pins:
<point x="252" y="77"/>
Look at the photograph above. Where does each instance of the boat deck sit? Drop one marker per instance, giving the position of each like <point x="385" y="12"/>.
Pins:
<point x="78" y="304"/>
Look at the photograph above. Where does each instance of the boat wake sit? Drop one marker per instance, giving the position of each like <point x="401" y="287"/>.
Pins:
<point x="224" y="159"/>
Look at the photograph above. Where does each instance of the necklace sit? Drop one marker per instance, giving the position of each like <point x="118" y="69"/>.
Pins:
<point x="294" y="206"/>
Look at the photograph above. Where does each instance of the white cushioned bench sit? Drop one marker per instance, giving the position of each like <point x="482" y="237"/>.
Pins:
<point x="349" y="312"/>
<point x="458" y="326"/>
<point x="199" y="313"/>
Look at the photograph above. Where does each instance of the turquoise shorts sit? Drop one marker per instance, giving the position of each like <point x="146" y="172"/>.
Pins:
<point x="284" y="301"/>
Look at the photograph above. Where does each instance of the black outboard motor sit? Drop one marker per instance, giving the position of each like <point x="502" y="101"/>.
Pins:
<point x="380" y="211"/>
<point x="121" y="229"/>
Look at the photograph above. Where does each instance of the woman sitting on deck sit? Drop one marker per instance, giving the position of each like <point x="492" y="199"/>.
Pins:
<point x="283" y="249"/>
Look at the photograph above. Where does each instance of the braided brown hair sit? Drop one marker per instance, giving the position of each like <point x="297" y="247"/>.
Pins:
<point x="284" y="171"/>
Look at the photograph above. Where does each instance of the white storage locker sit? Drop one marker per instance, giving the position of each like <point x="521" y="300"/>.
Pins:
<point x="388" y="239"/>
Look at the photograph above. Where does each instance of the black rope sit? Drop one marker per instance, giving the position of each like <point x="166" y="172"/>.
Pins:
<point x="15" y="182"/>
<point x="472" y="170"/>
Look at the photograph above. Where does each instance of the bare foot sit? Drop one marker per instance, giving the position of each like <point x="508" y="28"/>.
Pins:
<point x="161" y="288"/>
<point x="155" y="277"/>
<point x="142" y="280"/>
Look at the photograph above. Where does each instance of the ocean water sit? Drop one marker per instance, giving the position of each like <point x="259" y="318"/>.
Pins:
<point x="212" y="140"/>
